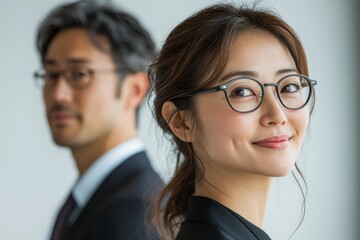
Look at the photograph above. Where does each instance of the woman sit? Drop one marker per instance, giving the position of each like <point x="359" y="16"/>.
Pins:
<point x="232" y="91"/>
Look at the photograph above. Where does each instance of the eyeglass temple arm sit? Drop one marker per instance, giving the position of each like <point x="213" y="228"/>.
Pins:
<point x="38" y="75"/>
<point x="208" y="90"/>
<point x="313" y="82"/>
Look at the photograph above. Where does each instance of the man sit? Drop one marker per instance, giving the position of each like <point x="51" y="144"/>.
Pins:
<point x="93" y="81"/>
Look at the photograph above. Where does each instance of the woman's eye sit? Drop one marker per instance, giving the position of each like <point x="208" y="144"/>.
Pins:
<point x="242" y="92"/>
<point x="290" y="88"/>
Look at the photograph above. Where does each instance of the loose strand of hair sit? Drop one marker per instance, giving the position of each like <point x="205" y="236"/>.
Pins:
<point x="304" y="193"/>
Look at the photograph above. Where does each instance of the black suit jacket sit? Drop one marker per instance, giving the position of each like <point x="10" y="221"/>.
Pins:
<point x="119" y="207"/>
<point x="208" y="219"/>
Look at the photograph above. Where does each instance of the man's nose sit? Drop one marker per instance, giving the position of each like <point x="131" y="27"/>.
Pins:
<point x="61" y="91"/>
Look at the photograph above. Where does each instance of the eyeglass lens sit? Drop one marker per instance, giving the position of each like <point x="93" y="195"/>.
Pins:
<point x="246" y="94"/>
<point x="76" y="76"/>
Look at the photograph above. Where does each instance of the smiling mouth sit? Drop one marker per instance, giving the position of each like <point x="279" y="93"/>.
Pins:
<point x="276" y="142"/>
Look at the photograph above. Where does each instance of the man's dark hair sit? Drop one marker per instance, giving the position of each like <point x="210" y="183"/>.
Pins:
<point x="132" y="46"/>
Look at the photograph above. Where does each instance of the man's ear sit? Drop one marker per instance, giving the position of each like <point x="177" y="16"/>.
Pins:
<point x="178" y="121"/>
<point x="136" y="89"/>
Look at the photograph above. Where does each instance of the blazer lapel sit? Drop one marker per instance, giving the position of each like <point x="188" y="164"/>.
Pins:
<point x="113" y="185"/>
<point x="228" y="222"/>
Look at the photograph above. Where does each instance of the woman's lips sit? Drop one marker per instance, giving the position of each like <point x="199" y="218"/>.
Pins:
<point x="275" y="142"/>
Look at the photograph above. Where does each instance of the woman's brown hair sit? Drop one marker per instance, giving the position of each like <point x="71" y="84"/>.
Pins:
<point x="192" y="58"/>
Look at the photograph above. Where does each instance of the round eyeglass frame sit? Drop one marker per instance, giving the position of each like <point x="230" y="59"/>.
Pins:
<point x="39" y="76"/>
<point x="223" y="88"/>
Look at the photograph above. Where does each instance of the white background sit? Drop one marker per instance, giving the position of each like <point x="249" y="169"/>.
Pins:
<point x="35" y="175"/>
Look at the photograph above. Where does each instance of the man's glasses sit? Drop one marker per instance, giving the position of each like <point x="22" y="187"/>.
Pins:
<point x="77" y="76"/>
<point x="245" y="94"/>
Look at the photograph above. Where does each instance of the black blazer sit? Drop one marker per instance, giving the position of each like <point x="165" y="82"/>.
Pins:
<point x="119" y="207"/>
<point x="208" y="219"/>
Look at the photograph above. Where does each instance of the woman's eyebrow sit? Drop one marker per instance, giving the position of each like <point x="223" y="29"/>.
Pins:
<point x="255" y="74"/>
<point x="239" y="73"/>
<point x="286" y="70"/>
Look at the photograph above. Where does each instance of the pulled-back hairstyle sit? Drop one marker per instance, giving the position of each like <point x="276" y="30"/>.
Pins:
<point x="193" y="57"/>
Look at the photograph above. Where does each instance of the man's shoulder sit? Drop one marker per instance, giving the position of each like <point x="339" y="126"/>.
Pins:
<point x="121" y="219"/>
<point x="134" y="179"/>
<point x="123" y="202"/>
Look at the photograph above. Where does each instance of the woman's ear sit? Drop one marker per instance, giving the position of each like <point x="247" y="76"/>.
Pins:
<point x="178" y="121"/>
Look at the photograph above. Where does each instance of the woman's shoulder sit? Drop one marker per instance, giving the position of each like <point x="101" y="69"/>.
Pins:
<point x="208" y="219"/>
<point x="199" y="222"/>
<point x="192" y="230"/>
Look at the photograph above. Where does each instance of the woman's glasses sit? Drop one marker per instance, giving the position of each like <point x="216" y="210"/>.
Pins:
<point x="245" y="94"/>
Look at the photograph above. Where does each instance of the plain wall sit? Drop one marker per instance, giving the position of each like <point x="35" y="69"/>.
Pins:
<point x="35" y="175"/>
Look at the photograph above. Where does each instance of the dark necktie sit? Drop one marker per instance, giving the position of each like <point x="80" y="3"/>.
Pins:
<point x="63" y="217"/>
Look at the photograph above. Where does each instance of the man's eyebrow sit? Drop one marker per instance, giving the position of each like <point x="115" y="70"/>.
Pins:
<point x="69" y="61"/>
<point x="49" y="62"/>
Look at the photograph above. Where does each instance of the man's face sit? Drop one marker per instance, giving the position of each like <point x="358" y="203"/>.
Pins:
<point x="81" y="116"/>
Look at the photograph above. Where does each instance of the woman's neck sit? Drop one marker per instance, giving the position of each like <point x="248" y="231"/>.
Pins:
<point x="244" y="193"/>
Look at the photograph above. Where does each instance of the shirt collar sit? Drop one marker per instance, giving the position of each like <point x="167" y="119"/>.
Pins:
<point x="91" y="179"/>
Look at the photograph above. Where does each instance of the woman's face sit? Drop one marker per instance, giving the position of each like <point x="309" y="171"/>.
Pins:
<point x="266" y="141"/>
